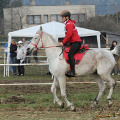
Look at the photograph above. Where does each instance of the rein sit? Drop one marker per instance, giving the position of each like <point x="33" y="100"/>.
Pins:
<point x="51" y="47"/>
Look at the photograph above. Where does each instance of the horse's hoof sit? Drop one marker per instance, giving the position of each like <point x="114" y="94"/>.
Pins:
<point x="95" y="102"/>
<point x="73" y="108"/>
<point x="110" y="104"/>
<point x="54" y="101"/>
<point x="62" y="105"/>
<point x="93" y="106"/>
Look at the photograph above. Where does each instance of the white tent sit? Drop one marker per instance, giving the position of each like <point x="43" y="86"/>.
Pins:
<point x="55" y="29"/>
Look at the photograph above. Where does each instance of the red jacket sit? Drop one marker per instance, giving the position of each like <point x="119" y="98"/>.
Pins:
<point x="71" y="34"/>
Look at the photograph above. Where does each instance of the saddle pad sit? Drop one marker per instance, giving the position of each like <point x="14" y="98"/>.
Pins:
<point x="78" y="56"/>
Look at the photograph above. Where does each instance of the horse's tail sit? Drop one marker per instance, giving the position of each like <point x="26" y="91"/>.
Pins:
<point x="116" y="50"/>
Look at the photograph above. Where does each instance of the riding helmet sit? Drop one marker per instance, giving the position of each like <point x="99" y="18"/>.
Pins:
<point x="65" y="13"/>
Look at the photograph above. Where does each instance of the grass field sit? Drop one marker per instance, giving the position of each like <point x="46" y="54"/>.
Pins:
<point x="36" y="102"/>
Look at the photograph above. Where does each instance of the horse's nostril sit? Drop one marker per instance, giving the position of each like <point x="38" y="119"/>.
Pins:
<point x="28" y="48"/>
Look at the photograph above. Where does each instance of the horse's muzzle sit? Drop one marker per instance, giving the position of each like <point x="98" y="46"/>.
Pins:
<point x="28" y="50"/>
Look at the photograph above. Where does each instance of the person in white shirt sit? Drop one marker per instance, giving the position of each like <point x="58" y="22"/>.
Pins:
<point x="25" y="44"/>
<point x="21" y="54"/>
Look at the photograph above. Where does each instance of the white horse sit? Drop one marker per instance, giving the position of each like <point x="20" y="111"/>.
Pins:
<point x="97" y="61"/>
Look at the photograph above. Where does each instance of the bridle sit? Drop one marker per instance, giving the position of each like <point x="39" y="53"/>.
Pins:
<point x="43" y="46"/>
<point x="42" y="43"/>
<point x="38" y="41"/>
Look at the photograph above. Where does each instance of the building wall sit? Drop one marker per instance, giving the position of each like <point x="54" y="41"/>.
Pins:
<point x="41" y="13"/>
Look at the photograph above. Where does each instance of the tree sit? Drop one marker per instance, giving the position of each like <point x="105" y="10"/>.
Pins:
<point x="102" y="23"/>
<point x="16" y="3"/>
<point x="3" y="4"/>
<point x="8" y="4"/>
<point x="17" y="18"/>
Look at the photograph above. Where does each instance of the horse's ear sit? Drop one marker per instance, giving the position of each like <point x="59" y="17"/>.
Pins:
<point x="40" y="28"/>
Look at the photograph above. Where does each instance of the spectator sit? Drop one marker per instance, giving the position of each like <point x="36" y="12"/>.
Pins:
<point x="48" y="73"/>
<point x="114" y="43"/>
<point x="13" y="49"/>
<point x="21" y="54"/>
<point x="25" y="44"/>
<point x="35" y="56"/>
<point x="6" y="53"/>
<point x="6" y="49"/>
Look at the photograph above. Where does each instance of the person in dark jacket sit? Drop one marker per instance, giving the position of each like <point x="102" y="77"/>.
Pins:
<point x="71" y="36"/>
<point x="114" y="43"/>
<point x="13" y="49"/>
<point x="35" y="56"/>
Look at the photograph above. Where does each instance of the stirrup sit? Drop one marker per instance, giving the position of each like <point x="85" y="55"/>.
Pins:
<point x="70" y="74"/>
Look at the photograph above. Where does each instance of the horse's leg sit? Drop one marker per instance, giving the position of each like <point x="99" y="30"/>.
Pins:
<point x="53" y="90"/>
<point x="112" y="84"/>
<point x="62" y="83"/>
<point x="102" y="88"/>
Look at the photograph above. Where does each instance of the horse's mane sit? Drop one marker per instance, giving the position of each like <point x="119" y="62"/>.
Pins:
<point x="51" y="37"/>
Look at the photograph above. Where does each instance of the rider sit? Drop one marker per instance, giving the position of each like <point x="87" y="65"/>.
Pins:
<point x="71" y="36"/>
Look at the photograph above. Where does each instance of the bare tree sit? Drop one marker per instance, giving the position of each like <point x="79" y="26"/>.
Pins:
<point x="19" y="18"/>
<point x="101" y="23"/>
<point x="15" y="18"/>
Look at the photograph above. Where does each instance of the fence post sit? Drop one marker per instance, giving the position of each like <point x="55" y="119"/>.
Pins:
<point x="4" y="63"/>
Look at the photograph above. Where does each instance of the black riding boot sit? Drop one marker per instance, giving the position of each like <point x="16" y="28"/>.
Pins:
<point x="71" y="73"/>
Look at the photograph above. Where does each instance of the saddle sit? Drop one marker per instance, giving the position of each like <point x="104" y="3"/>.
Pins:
<point x="78" y="56"/>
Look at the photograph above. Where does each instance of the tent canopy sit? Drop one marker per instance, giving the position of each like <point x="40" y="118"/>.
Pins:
<point x="55" y="29"/>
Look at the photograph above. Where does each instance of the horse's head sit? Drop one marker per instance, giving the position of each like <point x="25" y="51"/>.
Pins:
<point x="36" y="42"/>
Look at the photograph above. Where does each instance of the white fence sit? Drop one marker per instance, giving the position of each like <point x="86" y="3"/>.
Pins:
<point x="25" y="84"/>
<point x="6" y="66"/>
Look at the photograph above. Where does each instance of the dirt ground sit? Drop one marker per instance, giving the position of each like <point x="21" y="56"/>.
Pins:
<point x="57" y="114"/>
<point x="50" y="112"/>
